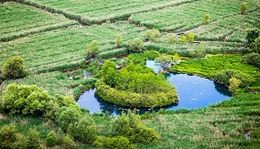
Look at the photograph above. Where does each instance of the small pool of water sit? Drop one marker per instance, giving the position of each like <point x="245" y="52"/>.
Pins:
<point x="193" y="92"/>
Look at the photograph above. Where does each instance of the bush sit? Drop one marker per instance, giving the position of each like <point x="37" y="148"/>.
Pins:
<point x="25" y="99"/>
<point x="66" y="118"/>
<point x="152" y="35"/>
<point x="114" y="143"/>
<point x="206" y="19"/>
<point x="251" y="36"/>
<point x="119" y="41"/>
<point x="171" y="38"/>
<point x="14" y="68"/>
<point x="92" y="49"/>
<point x="256" y="45"/>
<point x="234" y="84"/>
<point x="243" y="8"/>
<point x="51" y="139"/>
<point x="33" y="139"/>
<point x="184" y="39"/>
<point x="252" y="59"/>
<point x="84" y="130"/>
<point x="136" y="45"/>
<point x="8" y="135"/>
<point x="68" y="142"/>
<point x="191" y="37"/>
<point x="131" y="127"/>
<point x="224" y="76"/>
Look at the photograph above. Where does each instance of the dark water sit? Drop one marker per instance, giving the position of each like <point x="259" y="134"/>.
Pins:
<point x="193" y="91"/>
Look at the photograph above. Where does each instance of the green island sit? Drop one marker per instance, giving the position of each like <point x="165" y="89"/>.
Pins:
<point x="52" y="52"/>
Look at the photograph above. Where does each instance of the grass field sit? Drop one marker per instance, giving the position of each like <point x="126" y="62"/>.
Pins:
<point x="52" y="37"/>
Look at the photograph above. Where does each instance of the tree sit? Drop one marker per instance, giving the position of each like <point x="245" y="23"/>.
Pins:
<point x="206" y="19"/>
<point x="256" y="45"/>
<point x="251" y="36"/>
<point x="14" y="68"/>
<point x="191" y="37"/>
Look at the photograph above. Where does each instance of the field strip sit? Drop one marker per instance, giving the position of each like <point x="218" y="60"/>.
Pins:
<point x="35" y="31"/>
<point x="85" y="20"/>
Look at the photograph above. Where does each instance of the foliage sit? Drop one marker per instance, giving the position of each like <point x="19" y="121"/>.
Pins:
<point x="198" y="52"/>
<point x="243" y="8"/>
<point x="234" y="84"/>
<point x="92" y="49"/>
<point x="223" y="77"/>
<point x="252" y="59"/>
<point x="33" y="139"/>
<point x="184" y="39"/>
<point x="8" y="135"/>
<point x="68" y="142"/>
<point x="14" y="68"/>
<point x="119" y="41"/>
<point x="191" y="37"/>
<point x="108" y="73"/>
<point x="251" y="36"/>
<point x="84" y="129"/>
<point x="153" y="35"/>
<point x="136" y="45"/>
<point x="114" y="143"/>
<point x="52" y="139"/>
<point x="256" y="45"/>
<point x="130" y="126"/>
<point x="24" y="99"/>
<point x="171" y="38"/>
<point x="66" y="118"/>
<point x="206" y="19"/>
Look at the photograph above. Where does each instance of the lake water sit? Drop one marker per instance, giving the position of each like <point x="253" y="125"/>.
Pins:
<point x="193" y="92"/>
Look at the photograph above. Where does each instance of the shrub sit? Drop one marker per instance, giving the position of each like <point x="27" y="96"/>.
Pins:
<point x="206" y="19"/>
<point x="131" y="127"/>
<point x="224" y="76"/>
<point x="114" y="143"/>
<point x="243" y="8"/>
<point x="251" y="36"/>
<point x="25" y="99"/>
<point x="256" y="45"/>
<point x="8" y="135"/>
<point x="84" y="129"/>
<point x="252" y="59"/>
<point x="136" y="45"/>
<point x="51" y="139"/>
<point x="68" y="142"/>
<point x="33" y="139"/>
<point x="191" y="37"/>
<point x="66" y="118"/>
<point x="152" y="35"/>
<point x="119" y="41"/>
<point x="14" y="68"/>
<point x="151" y="55"/>
<point x="171" y="38"/>
<point x="92" y="49"/>
<point x="184" y="39"/>
<point x="108" y="73"/>
<point x="198" y="52"/>
<point x="234" y="84"/>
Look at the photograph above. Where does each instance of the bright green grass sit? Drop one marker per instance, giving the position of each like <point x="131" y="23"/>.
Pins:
<point x="66" y="47"/>
<point x="212" y="64"/>
<point x="100" y="10"/>
<point x="19" y="19"/>
<point x="230" y="29"/>
<point x="190" y="15"/>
